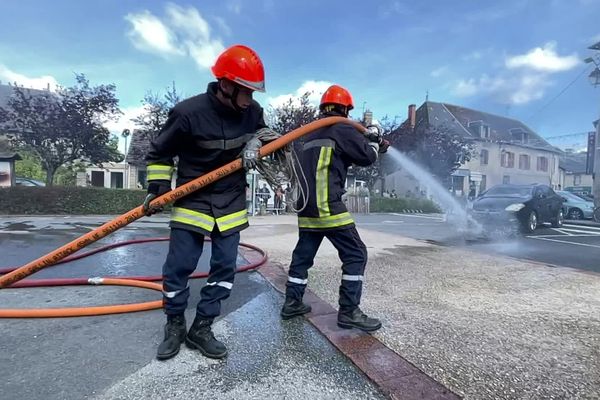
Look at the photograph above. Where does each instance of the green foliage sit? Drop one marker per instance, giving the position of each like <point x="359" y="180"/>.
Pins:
<point x="293" y="114"/>
<point x="64" y="127"/>
<point x="156" y="111"/>
<point x="23" y="200"/>
<point x="384" y="204"/>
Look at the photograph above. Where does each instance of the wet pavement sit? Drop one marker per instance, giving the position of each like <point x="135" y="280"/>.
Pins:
<point x="112" y="357"/>
<point x="457" y="321"/>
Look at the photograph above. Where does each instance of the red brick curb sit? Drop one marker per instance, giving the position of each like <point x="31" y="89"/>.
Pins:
<point x="395" y="376"/>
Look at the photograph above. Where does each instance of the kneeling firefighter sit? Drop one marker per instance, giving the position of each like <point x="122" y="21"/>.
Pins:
<point x="325" y="157"/>
<point x="205" y="132"/>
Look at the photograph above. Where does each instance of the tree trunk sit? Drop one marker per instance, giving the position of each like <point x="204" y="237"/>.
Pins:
<point x="50" y="176"/>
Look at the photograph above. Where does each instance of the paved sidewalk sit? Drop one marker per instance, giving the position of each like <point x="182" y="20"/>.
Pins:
<point x="485" y="327"/>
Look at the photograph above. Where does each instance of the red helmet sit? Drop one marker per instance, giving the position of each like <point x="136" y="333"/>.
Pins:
<point x="336" y="94"/>
<point x="241" y="65"/>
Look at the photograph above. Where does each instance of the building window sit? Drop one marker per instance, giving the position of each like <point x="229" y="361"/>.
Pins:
<point x="484" y="131"/>
<point x="542" y="164"/>
<point x="98" y="178"/>
<point x="484" y="156"/>
<point x="576" y="180"/>
<point x="116" y="180"/>
<point x="506" y="179"/>
<point x="482" y="184"/>
<point x="508" y="159"/>
<point x="524" y="161"/>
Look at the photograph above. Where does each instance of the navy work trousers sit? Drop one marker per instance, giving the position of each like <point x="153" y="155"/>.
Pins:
<point x="185" y="249"/>
<point x="352" y="252"/>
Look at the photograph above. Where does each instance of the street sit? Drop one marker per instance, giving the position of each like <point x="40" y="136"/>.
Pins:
<point x="573" y="245"/>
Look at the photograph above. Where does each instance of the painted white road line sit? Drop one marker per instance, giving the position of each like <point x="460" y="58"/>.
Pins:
<point x="561" y="231"/>
<point x="572" y="235"/>
<point x="565" y="242"/>
<point x="593" y="228"/>
<point x="420" y="216"/>
<point x="578" y="231"/>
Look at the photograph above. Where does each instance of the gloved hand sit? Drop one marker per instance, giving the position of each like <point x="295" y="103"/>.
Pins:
<point x="250" y="154"/>
<point x="374" y="133"/>
<point x="384" y="145"/>
<point x="155" y="189"/>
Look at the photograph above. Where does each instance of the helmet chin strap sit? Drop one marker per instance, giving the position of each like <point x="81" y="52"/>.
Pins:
<point x="232" y="97"/>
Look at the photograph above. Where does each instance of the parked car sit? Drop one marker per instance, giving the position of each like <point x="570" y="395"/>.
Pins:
<point x="522" y="206"/>
<point x="576" y="207"/>
<point x="28" y="182"/>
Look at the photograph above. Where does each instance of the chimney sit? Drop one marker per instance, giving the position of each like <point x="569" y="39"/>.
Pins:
<point x="368" y="118"/>
<point x="412" y="115"/>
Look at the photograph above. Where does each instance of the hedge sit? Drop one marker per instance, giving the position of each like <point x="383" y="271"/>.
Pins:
<point x="72" y="200"/>
<point x="385" y="204"/>
<point x="25" y="200"/>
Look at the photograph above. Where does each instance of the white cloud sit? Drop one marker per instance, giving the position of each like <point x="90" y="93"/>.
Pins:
<point x="513" y="89"/>
<point x="43" y="82"/>
<point x="196" y="31"/>
<point x="595" y="39"/>
<point x="223" y="26"/>
<point x="544" y="59"/>
<point x="148" y="33"/>
<point x="235" y="6"/>
<point x="182" y="32"/>
<point x="394" y="8"/>
<point x="124" y="121"/>
<point x="315" y="88"/>
<point x="436" y="73"/>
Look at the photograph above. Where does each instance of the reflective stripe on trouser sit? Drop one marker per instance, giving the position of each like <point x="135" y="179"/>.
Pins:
<point x="159" y="172"/>
<point x="222" y="272"/>
<point x="352" y="253"/>
<point x="185" y="249"/>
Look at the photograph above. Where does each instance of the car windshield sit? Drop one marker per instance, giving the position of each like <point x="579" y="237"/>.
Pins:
<point x="510" y="191"/>
<point x="571" y="196"/>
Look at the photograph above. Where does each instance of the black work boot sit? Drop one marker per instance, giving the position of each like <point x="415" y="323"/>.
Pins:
<point x="359" y="320"/>
<point x="174" y="335"/>
<point x="200" y="337"/>
<point x="292" y="308"/>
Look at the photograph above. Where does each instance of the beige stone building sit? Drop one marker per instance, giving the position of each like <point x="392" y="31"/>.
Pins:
<point x="506" y="151"/>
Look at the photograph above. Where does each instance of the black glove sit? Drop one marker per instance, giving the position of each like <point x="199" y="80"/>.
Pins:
<point x="155" y="189"/>
<point x="250" y="154"/>
<point x="384" y="145"/>
<point x="374" y="134"/>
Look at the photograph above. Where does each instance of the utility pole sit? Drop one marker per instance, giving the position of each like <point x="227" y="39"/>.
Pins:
<point x="595" y="81"/>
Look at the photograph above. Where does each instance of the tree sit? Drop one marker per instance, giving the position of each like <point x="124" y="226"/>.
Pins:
<point x="156" y="111"/>
<point x="293" y="114"/>
<point x="63" y="127"/>
<point x="377" y="171"/>
<point x="437" y="148"/>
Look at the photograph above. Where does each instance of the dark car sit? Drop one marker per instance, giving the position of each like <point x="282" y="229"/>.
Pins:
<point x="523" y="206"/>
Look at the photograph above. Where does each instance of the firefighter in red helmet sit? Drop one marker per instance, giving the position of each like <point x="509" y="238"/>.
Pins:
<point x="205" y="132"/>
<point x="325" y="157"/>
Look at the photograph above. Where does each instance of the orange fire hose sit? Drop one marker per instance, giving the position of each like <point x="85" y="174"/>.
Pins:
<point x="135" y="214"/>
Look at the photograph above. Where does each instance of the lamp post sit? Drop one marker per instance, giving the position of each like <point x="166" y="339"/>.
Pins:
<point x="594" y="78"/>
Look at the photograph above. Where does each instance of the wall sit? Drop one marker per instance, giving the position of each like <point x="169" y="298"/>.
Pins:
<point x="494" y="172"/>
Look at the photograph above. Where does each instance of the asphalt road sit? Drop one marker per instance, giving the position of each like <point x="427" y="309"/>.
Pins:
<point x="576" y="246"/>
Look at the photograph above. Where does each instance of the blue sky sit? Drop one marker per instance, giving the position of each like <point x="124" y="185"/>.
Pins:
<point x="506" y="57"/>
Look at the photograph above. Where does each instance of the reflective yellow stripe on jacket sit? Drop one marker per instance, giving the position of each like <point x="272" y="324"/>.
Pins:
<point x="332" y="221"/>
<point x="233" y="220"/>
<point x="207" y="222"/>
<point x="322" y="181"/>
<point x="159" y="171"/>
<point x="194" y="218"/>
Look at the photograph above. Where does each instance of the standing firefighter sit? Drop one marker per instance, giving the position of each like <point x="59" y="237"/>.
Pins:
<point x="205" y="132"/>
<point x="326" y="155"/>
